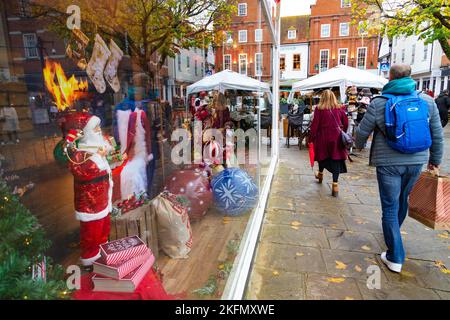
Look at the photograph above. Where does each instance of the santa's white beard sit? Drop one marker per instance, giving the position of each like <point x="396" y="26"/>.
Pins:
<point x="94" y="141"/>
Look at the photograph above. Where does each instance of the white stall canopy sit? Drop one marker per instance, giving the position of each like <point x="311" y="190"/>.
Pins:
<point x="341" y="76"/>
<point x="228" y="80"/>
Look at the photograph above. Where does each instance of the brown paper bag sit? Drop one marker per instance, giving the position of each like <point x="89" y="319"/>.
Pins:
<point x="429" y="201"/>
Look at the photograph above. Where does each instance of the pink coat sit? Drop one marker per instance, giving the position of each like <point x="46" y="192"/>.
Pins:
<point x="326" y="136"/>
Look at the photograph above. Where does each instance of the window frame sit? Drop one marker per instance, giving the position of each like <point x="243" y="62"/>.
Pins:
<point x="299" y="62"/>
<point x="365" y="58"/>
<point x="413" y="54"/>
<point x="246" y="36"/>
<point x="320" y="60"/>
<point x="246" y="63"/>
<point x="260" y="32"/>
<point x="283" y="66"/>
<point x="257" y="54"/>
<point x="340" y="29"/>
<point x="225" y="63"/>
<point x="346" y="56"/>
<point x="343" y="5"/>
<point x="329" y="30"/>
<point x="242" y="5"/>
<point x="294" y="31"/>
<point x="28" y="49"/>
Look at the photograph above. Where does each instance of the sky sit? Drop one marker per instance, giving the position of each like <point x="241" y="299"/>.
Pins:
<point x="295" y="7"/>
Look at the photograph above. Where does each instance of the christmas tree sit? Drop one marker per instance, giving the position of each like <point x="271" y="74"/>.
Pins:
<point x="25" y="272"/>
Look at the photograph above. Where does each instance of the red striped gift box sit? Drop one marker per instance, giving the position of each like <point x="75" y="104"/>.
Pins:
<point x="120" y="270"/>
<point x="120" y="250"/>
<point x="429" y="201"/>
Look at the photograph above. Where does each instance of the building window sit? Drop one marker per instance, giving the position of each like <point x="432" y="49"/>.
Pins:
<point x="196" y="68"/>
<point x="344" y="29"/>
<point x="292" y="34"/>
<point x="202" y="69"/>
<point x="362" y="57"/>
<point x="243" y="63"/>
<point x="227" y="62"/>
<point x="242" y="35"/>
<point x="403" y="55"/>
<point x="179" y="63"/>
<point x="324" y="60"/>
<point x="395" y="58"/>
<point x="258" y="64"/>
<point x="413" y="54"/>
<point x="325" y="31"/>
<point x="25" y="8"/>
<point x="30" y="45"/>
<point x="296" y="62"/>
<point x="343" y="56"/>
<point x="282" y="63"/>
<point x="258" y="35"/>
<point x="242" y="9"/>
<point x="188" y="62"/>
<point x="425" y="52"/>
<point x="345" y="3"/>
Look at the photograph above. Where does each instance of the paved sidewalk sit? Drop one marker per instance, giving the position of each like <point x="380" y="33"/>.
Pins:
<point x="314" y="246"/>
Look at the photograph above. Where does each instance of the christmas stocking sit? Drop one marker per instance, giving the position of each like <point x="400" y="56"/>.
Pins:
<point x="112" y="65"/>
<point x="97" y="64"/>
<point x="76" y="49"/>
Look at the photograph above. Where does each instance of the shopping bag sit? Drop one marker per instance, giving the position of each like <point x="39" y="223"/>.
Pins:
<point x="429" y="201"/>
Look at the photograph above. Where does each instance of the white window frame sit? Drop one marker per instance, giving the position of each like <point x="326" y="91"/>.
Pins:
<point x="292" y="34"/>
<point x="256" y="64"/>
<point x="344" y="5"/>
<point x="320" y="59"/>
<point x="413" y="54"/>
<point x="225" y="62"/>
<point x="29" y="49"/>
<point x="322" y="30"/>
<point x="346" y="55"/>
<point x="188" y="62"/>
<point x="241" y="33"/>
<point x="246" y="63"/>
<point x="242" y="5"/>
<point x="258" y="35"/>
<point x="425" y="52"/>
<point x="357" y="58"/>
<point x="293" y="62"/>
<point x="348" y="29"/>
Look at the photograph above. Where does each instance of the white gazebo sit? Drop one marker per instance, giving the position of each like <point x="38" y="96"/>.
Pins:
<point x="341" y="76"/>
<point x="228" y="80"/>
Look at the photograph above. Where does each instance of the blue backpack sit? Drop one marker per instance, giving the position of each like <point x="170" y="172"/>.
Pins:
<point x="407" y="123"/>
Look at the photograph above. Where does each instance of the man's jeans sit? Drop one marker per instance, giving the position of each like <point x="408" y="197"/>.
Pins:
<point x="395" y="184"/>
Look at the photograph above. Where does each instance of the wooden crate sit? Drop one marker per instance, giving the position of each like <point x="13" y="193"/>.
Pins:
<point x="139" y="222"/>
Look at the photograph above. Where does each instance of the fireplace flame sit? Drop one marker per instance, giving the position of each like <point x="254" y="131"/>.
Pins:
<point x="65" y="91"/>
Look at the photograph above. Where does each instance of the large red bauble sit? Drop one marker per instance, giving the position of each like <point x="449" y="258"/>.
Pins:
<point x="194" y="185"/>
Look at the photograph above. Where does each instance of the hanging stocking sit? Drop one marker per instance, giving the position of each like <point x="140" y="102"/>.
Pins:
<point x="76" y="49"/>
<point x="97" y="64"/>
<point x="112" y="65"/>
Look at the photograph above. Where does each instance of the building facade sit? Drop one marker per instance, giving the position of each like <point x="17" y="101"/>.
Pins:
<point x="334" y="40"/>
<point x="294" y="51"/>
<point x="247" y="45"/>
<point x="425" y="60"/>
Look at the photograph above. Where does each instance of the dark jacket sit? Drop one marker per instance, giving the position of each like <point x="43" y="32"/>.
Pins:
<point x="326" y="135"/>
<point x="443" y="104"/>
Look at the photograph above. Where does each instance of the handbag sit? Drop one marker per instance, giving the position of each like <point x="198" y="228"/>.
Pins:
<point x="429" y="201"/>
<point x="347" y="140"/>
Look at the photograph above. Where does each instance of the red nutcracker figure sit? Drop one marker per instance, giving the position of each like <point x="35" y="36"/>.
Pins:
<point x="92" y="183"/>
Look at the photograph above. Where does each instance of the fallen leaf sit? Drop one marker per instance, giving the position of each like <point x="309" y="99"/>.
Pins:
<point x="299" y="254"/>
<point x="360" y="221"/>
<point x="439" y="264"/>
<point x="358" y="268"/>
<point x="340" y="265"/>
<point x="444" y="270"/>
<point x="295" y="228"/>
<point x="336" y="280"/>
<point x="407" y="274"/>
<point x="443" y="235"/>
<point x="296" y="223"/>
<point x="367" y="248"/>
<point x="349" y="298"/>
<point x="276" y="273"/>
<point x="221" y="267"/>
<point x="371" y="260"/>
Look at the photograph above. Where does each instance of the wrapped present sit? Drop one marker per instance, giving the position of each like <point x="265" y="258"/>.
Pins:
<point x="429" y="201"/>
<point x="117" y="251"/>
<point x="119" y="270"/>
<point x="139" y="222"/>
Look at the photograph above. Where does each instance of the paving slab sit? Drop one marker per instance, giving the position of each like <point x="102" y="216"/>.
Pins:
<point x="353" y="241"/>
<point x="324" y="287"/>
<point x="295" y="235"/>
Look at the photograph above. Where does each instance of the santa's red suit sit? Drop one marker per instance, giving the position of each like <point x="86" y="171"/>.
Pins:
<point x="93" y="187"/>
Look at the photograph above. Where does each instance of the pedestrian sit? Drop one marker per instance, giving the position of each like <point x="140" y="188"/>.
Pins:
<point x="330" y="152"/>
<point x="443" y="104"/>
<point x="397" y="164"/>
<point x="10" y="123"/>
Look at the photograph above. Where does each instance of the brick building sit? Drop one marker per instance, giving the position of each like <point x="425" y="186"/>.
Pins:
<point x="247" y="48"/>
<point x="335" y="40"/>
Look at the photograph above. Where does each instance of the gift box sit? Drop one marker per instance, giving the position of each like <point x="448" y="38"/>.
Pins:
<point x="139" y="222"/>
<point x="129" y="283"/>
<point x="120" y="270"/>
<point x="117" y="251"/>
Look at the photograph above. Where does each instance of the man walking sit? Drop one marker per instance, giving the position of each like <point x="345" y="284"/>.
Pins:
<point x="443" y="104"/>
<point x="401" y="145"/>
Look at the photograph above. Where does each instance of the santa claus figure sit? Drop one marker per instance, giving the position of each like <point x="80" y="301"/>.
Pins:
<point x="92" y="182"/>
<point x="134" y="136"/>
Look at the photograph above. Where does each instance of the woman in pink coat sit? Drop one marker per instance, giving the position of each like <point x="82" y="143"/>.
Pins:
<point x="329" y="150"/>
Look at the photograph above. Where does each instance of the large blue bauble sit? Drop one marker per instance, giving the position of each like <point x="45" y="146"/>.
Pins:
<point x="234" y="191"/>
